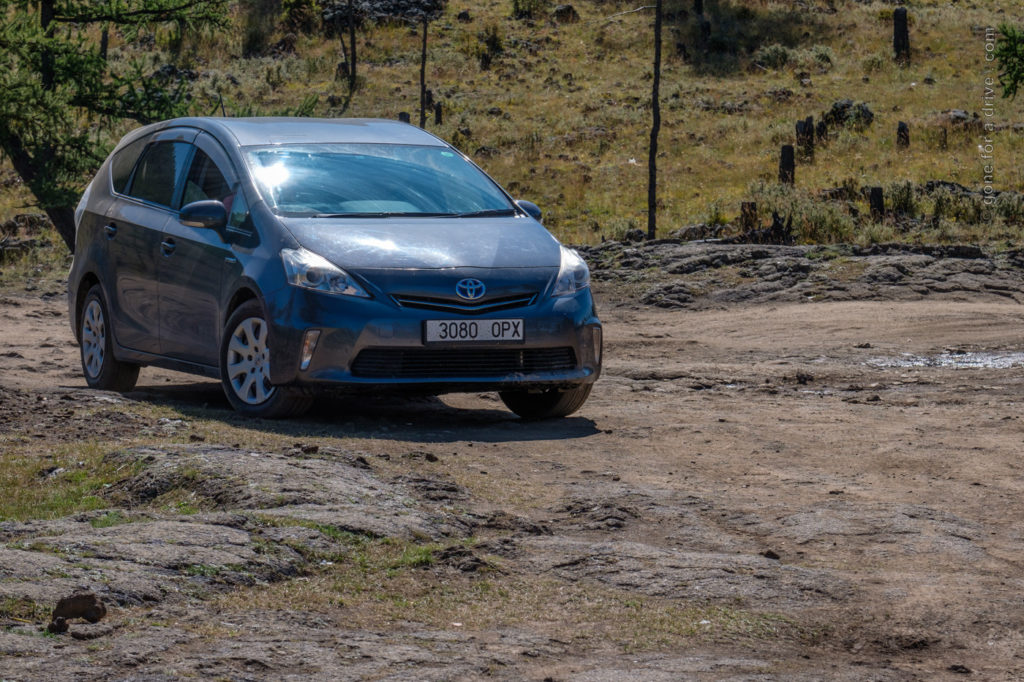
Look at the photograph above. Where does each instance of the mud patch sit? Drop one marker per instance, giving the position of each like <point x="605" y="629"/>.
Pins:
<point x="953" y="360"/>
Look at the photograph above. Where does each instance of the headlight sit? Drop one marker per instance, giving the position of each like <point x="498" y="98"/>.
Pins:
<point x="305" y="269"/>
<point x="572" y="276"/>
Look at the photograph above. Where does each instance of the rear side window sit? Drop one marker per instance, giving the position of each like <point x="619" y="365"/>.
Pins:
<point x="160" y="167"/>
<point x="124" y="161"/>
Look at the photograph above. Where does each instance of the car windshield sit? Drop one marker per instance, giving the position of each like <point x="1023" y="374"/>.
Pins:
<point x="373" y="180"/>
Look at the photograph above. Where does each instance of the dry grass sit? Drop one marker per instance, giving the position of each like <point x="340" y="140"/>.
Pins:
<point x="574" y="112"/>
<point x="384" y="583"/>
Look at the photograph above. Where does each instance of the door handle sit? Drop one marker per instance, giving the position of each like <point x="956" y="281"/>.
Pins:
<point x="111" y="230"/>
<point x="230" y="260"/>
<point x="167" y="246"/>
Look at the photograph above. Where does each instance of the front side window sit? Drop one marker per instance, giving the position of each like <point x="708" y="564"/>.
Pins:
<point x="205" y="181"/>
<point x="239" y="218"/>
<point x="159" y="169"/>
<point x="372" y="180"/>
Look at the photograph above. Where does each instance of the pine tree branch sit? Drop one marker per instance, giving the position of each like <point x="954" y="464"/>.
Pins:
<point x="144" y="14"/>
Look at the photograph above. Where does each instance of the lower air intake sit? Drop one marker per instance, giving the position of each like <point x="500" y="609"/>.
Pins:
<point x="460" y="363"/>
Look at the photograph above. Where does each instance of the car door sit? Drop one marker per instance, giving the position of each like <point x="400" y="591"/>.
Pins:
<point x="134" y="229"/>
<point x="193" y="260"/>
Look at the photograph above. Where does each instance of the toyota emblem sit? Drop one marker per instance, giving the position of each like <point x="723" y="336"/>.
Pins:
<point x="470" y="289"/>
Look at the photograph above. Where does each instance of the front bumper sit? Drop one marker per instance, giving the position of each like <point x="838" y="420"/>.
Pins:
<point x="561" y="346"/>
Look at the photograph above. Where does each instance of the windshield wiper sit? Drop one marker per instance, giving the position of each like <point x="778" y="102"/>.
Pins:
<point x="407" y="214"/>
<point x="488" y="213"/>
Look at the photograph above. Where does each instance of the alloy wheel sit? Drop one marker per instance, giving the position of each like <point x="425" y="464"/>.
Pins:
<point x="94" y="338"/>
<point x="248" y="362"/>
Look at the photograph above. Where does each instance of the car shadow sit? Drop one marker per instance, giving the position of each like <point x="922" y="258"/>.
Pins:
<point x="409" y="418"/>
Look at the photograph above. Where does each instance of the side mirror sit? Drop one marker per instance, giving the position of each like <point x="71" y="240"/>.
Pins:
<point x="532" y="209"/>
<point x="210" y="214"/>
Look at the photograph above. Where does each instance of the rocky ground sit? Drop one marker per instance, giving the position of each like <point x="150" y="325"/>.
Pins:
<point x="801" y="463"/>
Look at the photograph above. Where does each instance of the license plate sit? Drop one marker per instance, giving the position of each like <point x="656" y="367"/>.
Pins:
<point x="473" y="330"/>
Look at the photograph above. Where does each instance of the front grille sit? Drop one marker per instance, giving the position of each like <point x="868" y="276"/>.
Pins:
<point x="430" y="363"/>
<point x="446" y="305"/>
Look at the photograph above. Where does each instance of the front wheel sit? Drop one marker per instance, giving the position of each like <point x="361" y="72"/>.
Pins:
<point x="245" y="368"/>
<point x="546" y="404"/>
<point x="102" y="370"/>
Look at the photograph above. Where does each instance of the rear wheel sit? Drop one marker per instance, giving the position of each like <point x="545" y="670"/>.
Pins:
<point x="546" y="404"/>
<point x="245" y="368"/>
<point x="102" y="370"/>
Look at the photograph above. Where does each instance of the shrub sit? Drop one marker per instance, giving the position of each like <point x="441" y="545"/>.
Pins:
<point x="301" y="16"/>
<point x="874" y="63"/>
<point x="714" y="215"/>
<point x="902" y="198"/>
<point x="814" y="221"/>
<point x="528" y="9"/>
<point x="1010" y="207"/>
<point x="819" y="57"/>
<point x="773" y="56"/>
<point x="940" y="207"/>
<point x="491" y="45"/>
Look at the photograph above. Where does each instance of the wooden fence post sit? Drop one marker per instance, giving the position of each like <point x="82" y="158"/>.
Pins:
<point x="902" y="135"/>
<point x="877" y="202"/>
<point x="900" y="35"/>
<point x="787" y="165"/>
<point x="748" y="216"/>
<point x="805" y="137"/>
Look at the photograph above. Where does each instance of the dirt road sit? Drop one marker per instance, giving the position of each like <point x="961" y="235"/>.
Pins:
<point x="778" y="490"/>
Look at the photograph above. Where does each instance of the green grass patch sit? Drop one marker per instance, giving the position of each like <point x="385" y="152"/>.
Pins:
<point x="203" y="570"/>
<point x="70" y="478"/>
<point x="23" y="609"/>
<point x="111" y="518"/>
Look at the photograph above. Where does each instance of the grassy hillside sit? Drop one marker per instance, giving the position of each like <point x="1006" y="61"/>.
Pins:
<point x="561" y="115"/>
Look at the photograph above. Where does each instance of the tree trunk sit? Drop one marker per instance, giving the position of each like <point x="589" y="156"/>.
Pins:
<point x="352" y="47"/>
<point x="423" y="78"/>
<point x="652" y="157"/>
<point x="62" y="217"/>
<point x="104" y="42"/>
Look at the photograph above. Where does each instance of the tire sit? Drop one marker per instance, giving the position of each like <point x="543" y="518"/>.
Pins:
<point x="546" y="404"/>
<point x="102" y="370"/>
<point x="245" y="368"/>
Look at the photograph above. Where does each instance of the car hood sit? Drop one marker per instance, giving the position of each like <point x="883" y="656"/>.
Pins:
<point x="363" y="244"/>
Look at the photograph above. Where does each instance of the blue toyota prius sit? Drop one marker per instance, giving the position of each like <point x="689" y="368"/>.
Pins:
<point x="289" y="257"/>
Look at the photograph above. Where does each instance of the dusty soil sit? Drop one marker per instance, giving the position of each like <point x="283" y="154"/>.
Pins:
<point x="799" y="464"/>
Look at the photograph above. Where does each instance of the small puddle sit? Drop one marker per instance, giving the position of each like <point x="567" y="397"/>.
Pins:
<point x="953" y="360"/>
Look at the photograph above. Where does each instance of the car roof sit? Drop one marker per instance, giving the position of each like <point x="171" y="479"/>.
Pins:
<point x="278" y="130"/>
